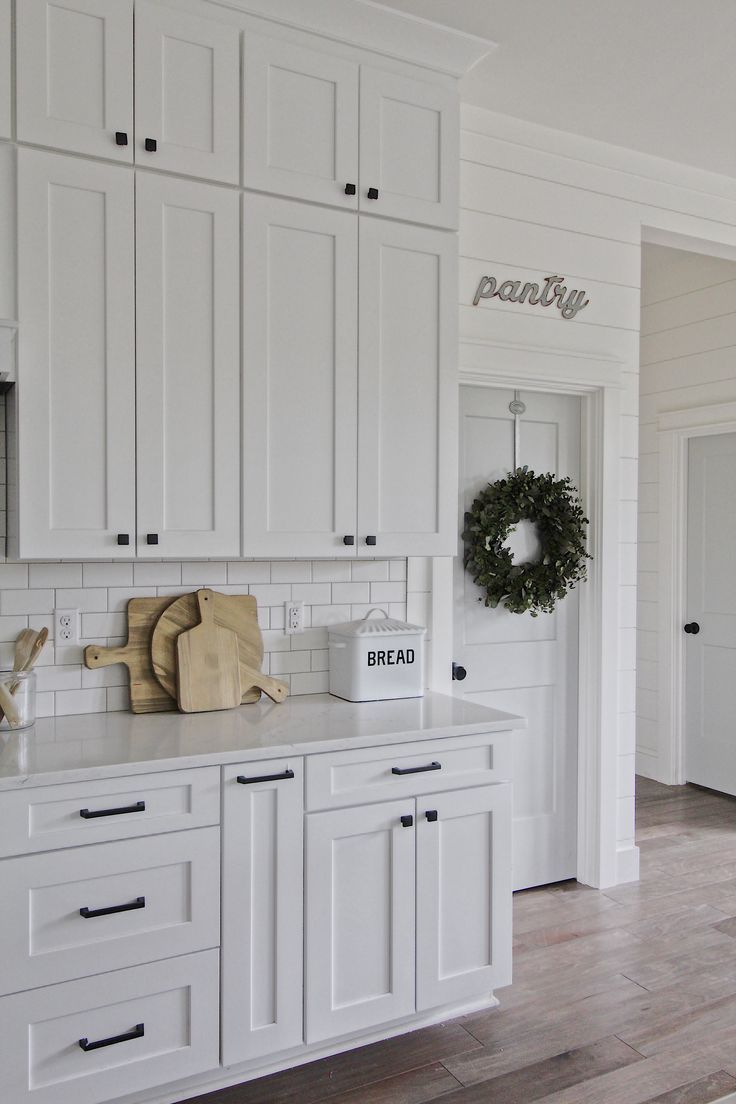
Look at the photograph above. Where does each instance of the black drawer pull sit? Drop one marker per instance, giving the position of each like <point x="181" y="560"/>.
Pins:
<point x="416" y="770"/>
<point x="265" y="778"/>
<point x="137" y="1033"/>
<point x="92" y="814"/>
<point x="87" y="913"/>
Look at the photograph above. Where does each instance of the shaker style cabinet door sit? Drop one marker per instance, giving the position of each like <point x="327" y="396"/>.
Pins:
<point x="6" y="92"/>
<point x="463" y="894"/>
<point x="360" y="918"/>
<point x="300" y="122"/>
<point x="187" y="93"/>
<point x="407" y="459"/>
<point x="409" y="149"/>
<point x="262" y="916"/>
<point x="188" y="368"/>
<point x="75" y="75"/>
<point x="300" y="336"/>
<point x="76" y="370"/>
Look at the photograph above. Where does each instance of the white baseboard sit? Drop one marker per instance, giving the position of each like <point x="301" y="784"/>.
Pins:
<point x="627" y="864"/>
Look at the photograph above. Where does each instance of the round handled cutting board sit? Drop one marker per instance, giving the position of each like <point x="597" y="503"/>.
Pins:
<point x="237" y="612"/>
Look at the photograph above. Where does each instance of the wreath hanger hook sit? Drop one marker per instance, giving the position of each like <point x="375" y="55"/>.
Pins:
<point x="517" y="408"/>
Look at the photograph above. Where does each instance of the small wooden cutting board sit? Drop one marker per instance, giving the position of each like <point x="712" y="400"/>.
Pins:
<point x="146" y="693"/>
<point x="207" y="663"/>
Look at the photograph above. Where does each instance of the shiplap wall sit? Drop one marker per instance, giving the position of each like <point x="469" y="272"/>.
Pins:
<point x="688" y="346"/>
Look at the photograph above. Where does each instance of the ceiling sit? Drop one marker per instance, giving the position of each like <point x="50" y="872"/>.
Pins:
<point x="651" y="75"/>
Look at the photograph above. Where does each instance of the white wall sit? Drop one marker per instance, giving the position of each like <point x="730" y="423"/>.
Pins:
<point x="688" y="345"/>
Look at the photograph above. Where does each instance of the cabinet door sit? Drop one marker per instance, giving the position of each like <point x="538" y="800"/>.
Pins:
<point x="76" y="389"/>
<point x="407" y="460"/>
<point x="300" y="332"/>
<point x="300" y="122"/>
<point x="187" y="93"/>
<point x="75" y="75"/>
<point x="188" y="367"/>
<point x="360" y="918"/>
<point x="262" y="928"/>
<point x="409" y="148"/>
<point x="6" y="94"/>
<point x="463" y="894"/>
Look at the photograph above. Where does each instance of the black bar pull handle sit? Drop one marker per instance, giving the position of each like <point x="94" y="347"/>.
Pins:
<point x="137" y="1033"/>
<point x="407" y="821"/>
<point x="87" y="913"/>
<point x="416" y="770"/>
<point x="265" y="778"/>
<point x="92" y="814"/>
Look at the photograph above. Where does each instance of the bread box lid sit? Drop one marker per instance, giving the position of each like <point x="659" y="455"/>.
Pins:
<point x="375" y="626"/>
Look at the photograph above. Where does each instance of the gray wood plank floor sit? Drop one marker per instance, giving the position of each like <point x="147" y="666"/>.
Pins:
<point x="619" y="997"/>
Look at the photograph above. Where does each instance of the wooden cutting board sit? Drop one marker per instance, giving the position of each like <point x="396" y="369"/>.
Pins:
<point x="208" y="670"/>
<point x="147" y="695"/>
<point x="237" y="612"/>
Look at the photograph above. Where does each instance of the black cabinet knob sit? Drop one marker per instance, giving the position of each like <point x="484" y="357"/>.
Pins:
<point x="350" y="189"/>
<point x="693" y="628"/>
<point x="349" y="539"/>
<point x="407" y="821"/>
<point x="152" y="538"/>
<point x="150" y="145"/>
<point x="370" y="540"/>
<point x="458" y="673"/>
<point x="373" y="193"/>
<point x="121" y="138"/>
<point x="431" y="815"/>
<point x="123" y="538"/>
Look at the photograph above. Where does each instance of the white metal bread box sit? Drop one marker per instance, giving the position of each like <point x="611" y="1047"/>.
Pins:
<point x="376" y="658"/>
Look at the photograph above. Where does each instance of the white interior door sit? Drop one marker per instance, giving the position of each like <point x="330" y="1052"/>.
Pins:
<point x="516" y="662"/>
<point x="710" y="653"/>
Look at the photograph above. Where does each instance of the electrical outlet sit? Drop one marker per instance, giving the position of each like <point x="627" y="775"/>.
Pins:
<point x="293" y="618"/>
<point x="66" y="626"/>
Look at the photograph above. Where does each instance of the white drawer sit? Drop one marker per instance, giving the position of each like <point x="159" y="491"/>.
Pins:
<point x="168" y="1010"/>
<point x="172" y="882"/>
<point x="46" y="817"/>
<point x="341" y="778"/>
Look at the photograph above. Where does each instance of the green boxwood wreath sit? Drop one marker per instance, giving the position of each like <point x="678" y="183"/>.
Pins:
<point x="554" y="506"/>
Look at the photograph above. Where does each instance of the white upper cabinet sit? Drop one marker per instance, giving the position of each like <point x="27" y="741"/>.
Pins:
<point x="6" y="69"/>
<point x="300" y="112"/>
<point x="300" y="344"/>
<point x="407" y="462"/>
<point x="76" y="374"/>
<point x="187" y="367"/>
<point x="75" y="75"/>
<point x="409" y="148"/>
<point x="186" y="93"/>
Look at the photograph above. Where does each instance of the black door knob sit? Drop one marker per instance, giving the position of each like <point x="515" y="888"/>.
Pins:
<point x="150" y="145"/>
<point x="370" y="540"/>
<point x="121" y="138"/>
<point x="373" y="193"/>
<point x="350" y="189"/>
<point x="123" y="538"/>
<point x="152" y="538"/>
<point x="431" y="815"/>
<point x="407" y="821"/>
<point x="693" y="628"/>
<point x="349" y="539"/>
<point x="458" y="673"/>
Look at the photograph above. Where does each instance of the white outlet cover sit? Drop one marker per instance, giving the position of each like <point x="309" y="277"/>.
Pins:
<point x="66" y="627"/>
<point x="293" y="618"/>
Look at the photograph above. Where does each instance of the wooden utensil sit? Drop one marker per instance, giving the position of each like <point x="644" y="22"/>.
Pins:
<point x="208" y="670"/>
<point x="147" y="695"/>
<point x="27" y="650"/>
<point x="24" y="647"/>
<point x="276" y="689"/>
<point x="237" y="612"/>
<point x="8" y="706"/>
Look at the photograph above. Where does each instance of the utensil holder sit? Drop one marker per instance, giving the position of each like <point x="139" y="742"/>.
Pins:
<point x="20" y="688"/>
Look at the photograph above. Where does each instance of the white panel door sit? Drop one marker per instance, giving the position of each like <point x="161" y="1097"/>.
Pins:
<point x="516" y="662"/>
<point x="188" y="368"/>
<point x="76" y="371"/>
<point x="360" y="875"/>
<point x="409" y="148"/>
<point x="463" y="894"/>
<point x="710" y="653"/>
<point x="75" y="75"/>
<point x="407" y="460"/>
<point x="6" y="89"/>
<point x="300" y="122"/>
<point x="300" y="347"/>
<point x="262" y="916"/>
<point x="187" y="93"/>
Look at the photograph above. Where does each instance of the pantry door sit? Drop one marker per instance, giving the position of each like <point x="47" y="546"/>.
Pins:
<point x="517" y="662"/>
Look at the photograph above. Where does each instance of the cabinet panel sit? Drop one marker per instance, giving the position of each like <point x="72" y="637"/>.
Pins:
<point x="262" y="929"/>
<point x="299" y="378"/>
<point x="188" y="369"/>
<point x="6" y="94"/>
<point x="187" y="93"/>
<point x="409" y="148"/>
<point x="407" y="461"/>
<point x="76" y="390"/>
<point x="300" y="121"/>
<point x="463" y="894"/>
<point x="360" y="918"/>
<point x="75" y="75"/>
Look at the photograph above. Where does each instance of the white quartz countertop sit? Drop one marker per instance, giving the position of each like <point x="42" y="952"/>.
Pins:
<point x="97" y="745"/>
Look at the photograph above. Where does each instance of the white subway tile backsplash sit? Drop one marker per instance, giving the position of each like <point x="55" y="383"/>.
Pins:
<point x="26" y="601"/>
<point x="284" y="663"/>
<point x="118" y="597"/>
<point x="58" y="678"/>
<point x="13" y="576"/>
<point x="55" y="575"/>
<point x="331" y="571"/>
<point x="118" y="698"/>
<point x="316" y="682"/>
<point x="271" y="594"/>
<point x="330" y="615"/>
<point x="85" y="599"/>
<point x="156" y="574"/>
<point x="45" y="705"/>
<point x="96" y="625"/>
<point x="80" y="701"/>
<point x="107" y="574"/>
<point x="204" y="574"/>
<point x="314" y="593"/>
<point x="351" y="592"/>
<point x="249" y="571"/>
<point x="291" y="571"/>
<point x="321" y="659"/>
<point x="397" y="570"/>
<point x="310" y="639"/>
<point x="11" y="626"/>
<point x="369" y="571"/>
<point x="388" y="592"/>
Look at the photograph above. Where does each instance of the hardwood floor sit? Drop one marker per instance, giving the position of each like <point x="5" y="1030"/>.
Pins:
<point x="619" y="997"/>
